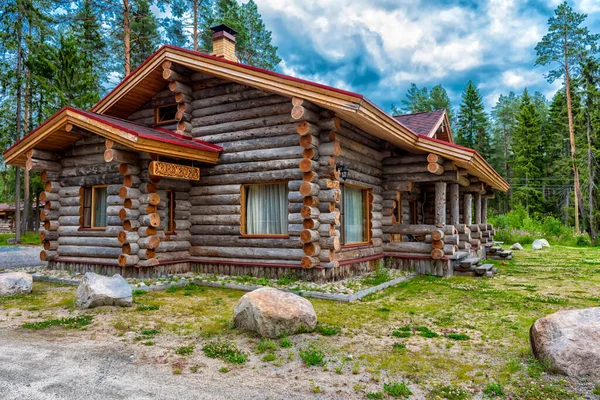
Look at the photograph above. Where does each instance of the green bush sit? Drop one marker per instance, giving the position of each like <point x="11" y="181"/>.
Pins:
<point x="518" y="226"/>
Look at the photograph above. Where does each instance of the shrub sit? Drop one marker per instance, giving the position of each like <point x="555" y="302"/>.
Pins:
<point x="285" y="343"/>
<point x="312" y="356"/>
<point x="225" y="351"/>
<point x="494" y="389"/>
<point x="328" y="330"/>
<point x="398" y="390"/>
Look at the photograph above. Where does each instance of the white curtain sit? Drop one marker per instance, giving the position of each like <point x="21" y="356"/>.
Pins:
<point x="267" y="209"/>
<point x="100" y="206"/>
<point x="353" y="215"/>
<point x="87" y="207"/>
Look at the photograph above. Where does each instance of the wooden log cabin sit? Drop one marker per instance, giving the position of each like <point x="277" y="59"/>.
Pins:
<point x="196" y="162"/>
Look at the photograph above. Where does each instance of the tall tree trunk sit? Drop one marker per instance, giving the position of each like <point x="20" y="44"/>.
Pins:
<point x="27" y="99"/>
<point x="578" y="199"/>
<point x="127" y="36"/>
<point x="507" y="169"/>
<point x="195" y="33"/>
<point x="591" y="222"/>
<point x="36" y="224"/>
<point x="18" y="120"/>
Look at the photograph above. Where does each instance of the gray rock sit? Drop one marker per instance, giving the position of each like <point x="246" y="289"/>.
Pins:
<point x="97" y="290"/>
<point x="11" y="241"/>
<point x="569" y="341"/>
<point x="14" y="283"/>
<point x="516" y="246"/>
<point x="536" y="245"/>
<point x="544" y="243"/>
<point x="272" y="313"/>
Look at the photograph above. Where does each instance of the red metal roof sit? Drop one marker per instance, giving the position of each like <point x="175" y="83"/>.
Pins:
<point x="142" y="131"/>
<point x="421" y="123"/>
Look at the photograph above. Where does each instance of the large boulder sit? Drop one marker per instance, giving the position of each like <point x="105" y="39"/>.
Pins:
<point x="98" y="290"/>
<point x="516" y="246"/>
<point x="569" y="341"/>
<point x="13" y="283"/>
<point x="273" y="313"/>
<point x="544" y="243"/>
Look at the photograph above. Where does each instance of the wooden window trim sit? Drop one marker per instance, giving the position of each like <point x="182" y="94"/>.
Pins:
<point x="398" y="208"/>
<point x="367" y="206"/>
<point x="414" y="216"/>
<point x="171" y="221"/>
<point x="92" y="208"/>
<point x="243" y="234"/>
<point x="157" y="122"/>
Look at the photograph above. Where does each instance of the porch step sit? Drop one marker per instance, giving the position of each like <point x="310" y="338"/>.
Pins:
<point x="467" y="262"/>
<point x="482" y="269"/>
<point x="459" y="255"/>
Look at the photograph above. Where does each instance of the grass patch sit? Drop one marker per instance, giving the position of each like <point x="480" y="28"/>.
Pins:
<point x="285" y="343"/>
<point x="26" y="238"/>
<point x="148" y="308"/>
<point x="328" y="330"/>
<point x="312" y="356"/>
<point x="269" y="357"/>
<point x="185" y="350"/>
<point x="69" y="323"/>
<point x="225" y="351"/>
<point x="458" y="336"/>
<point x="398" y="390"/>
<point x="266" y="345"/>
<point x="426" y="332"/>
<point x="450" y="392"/>
<point x="494" y="390"/>
<point x="402" y="332"/>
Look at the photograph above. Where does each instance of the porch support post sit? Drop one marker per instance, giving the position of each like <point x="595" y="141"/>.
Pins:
<point x="454" y="204"/>
<point x="477" y="208"/>
<point x="440" y="203"/>
<point x="468" y="209"/>
<point x="484" y="209"/>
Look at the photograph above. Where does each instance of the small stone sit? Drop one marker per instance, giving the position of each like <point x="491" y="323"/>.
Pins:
<point x="14" y="283"/>
<point x="97" y="290"/>
<point x="516" y="246"/>
<point x="12" y="241"/>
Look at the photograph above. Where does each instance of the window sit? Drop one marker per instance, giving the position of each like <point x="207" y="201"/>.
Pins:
<point x="165" y="114"/>
<point x="265" y="209"/>
<point x="412" y="209"/>
<point x="170" y="212"/>
<point x="94" y="206"/>
<point x="355" y="214"/>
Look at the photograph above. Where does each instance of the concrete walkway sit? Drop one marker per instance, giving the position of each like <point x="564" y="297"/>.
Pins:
<point x="18" y="257"/>
<point x="31" y="368"/>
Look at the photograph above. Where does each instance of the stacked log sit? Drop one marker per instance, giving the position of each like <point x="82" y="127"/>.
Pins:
<point x="431" y="235"/>
<point x="49" y="216"/>
<point x="180" y="86"/>
<point x="148" y="219"/>
<point x="175" y="245"/>
<point x="129" y="205"/>
<point x="308" y="191"/>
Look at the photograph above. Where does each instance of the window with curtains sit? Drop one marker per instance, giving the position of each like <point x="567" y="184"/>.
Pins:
<point x="355" y="212"/>
<point x="265" y="209"/>
<point x="170" y="211"/>
<point x="94" y="206"/>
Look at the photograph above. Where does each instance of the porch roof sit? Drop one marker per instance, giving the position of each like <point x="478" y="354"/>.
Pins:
<point x="58" y="133"/>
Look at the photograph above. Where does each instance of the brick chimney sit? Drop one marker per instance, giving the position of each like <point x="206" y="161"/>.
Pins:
<point x="224" y="42"/>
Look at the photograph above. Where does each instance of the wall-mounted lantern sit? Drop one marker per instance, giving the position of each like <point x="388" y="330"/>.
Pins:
<point x="343" y="171"/>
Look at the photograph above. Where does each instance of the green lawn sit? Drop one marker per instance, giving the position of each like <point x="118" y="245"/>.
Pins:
<point x="26" y="238"/>
<point x="450" y="338"/>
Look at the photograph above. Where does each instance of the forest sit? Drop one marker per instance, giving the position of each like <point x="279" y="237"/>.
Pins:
<point x="56" y="53"/>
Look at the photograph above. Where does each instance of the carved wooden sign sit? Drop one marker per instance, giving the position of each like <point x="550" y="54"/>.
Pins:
<point x="174" y="171"/>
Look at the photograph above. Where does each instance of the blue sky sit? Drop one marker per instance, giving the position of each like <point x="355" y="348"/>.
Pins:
<point x="377" y="48"/>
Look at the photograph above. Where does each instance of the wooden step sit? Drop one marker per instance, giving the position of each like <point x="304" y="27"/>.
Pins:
<point x="467" y="262"/>
<point x="482" y="269"/>
<point x="459" y="255"/>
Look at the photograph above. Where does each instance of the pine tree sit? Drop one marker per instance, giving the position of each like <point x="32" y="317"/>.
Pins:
<point x="566" y="44"/>
<point x="253" y="41"/>
<point x="439" y="100"/>
<point x="421" y="100"/>
<point x="472" y="126"/>
<point x="184" y="15"/>
<point x="527" y="158"/>
<point x="145" y="37"/>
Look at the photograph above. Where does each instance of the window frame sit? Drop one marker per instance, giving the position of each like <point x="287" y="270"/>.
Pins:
<point x="413" y="212"/>
<point x="398" y="208"/>
<point x="367" y="207"/>
<point x="157" y="114"/>
<point x="243" y="219"/>
<point x="92" y="208"/>
<point x="170" y="228"/>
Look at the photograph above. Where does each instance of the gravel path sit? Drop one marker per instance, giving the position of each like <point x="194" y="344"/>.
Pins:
<point x="16" y="257"/>
<point x="31" y="368"/>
